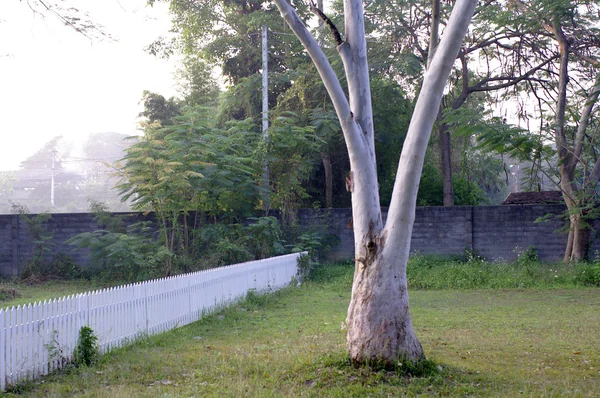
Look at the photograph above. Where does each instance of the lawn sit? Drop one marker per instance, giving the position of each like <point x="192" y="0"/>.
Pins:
<point x="484" y="342"/>
<point x="14" y="294"/>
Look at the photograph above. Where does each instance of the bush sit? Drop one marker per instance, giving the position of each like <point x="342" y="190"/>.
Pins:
<point x="63" y="267"/>
<point x="528" y="256"/>
<point x="7" y="293"/>
<point x="131" y="256"/>
<point x="86" y="353"/>
<point x="588" y="274"/>
<point x="263" y="237"/>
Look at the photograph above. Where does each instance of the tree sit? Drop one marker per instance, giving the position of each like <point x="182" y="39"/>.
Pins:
<point x="70" y="16"/>
<point x="38" y="172"/>
<point x="493" y="60"/>
<point x="188" y="166"/>
<point x="195" y="83"/>
<point x="159" y="109"/>
<point x="379" y="323"/>
<point x="7" y="182"/>
<point x="563" y="39"/>
<point x="101" y="153"/>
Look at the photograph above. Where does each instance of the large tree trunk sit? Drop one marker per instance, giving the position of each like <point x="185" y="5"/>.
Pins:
<point x="379" y="323"/>
<point x="574" y="251"/>
<point x="443" y="133"/>
<point x="578" y="241"/>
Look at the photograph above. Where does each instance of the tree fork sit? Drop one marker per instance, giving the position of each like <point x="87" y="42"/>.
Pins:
<point x="379" y="324"/>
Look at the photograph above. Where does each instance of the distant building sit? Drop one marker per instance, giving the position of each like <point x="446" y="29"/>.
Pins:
<point x="534" y="198"/>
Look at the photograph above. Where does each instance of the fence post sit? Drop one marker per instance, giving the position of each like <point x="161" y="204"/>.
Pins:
<point x="3" y="349"/>
<point x="189" y="318"/>
<point x="146" y="315"/>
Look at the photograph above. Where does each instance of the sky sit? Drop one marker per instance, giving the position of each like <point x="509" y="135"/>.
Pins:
<point x="54" y="81"/>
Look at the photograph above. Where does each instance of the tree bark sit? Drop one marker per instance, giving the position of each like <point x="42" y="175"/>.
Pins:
<point x="581" y="240"/>
<point x="578" y="241"/>
<point x="578" y="236"/>
<point x="328" y="179"/>
<point x="569" y="248"/>
<point x="446" y="160"/>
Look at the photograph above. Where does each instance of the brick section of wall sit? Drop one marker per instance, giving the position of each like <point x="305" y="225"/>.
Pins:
<point x="493" y="231"/>
<point x="499" y="230"/>
<point x="16" y="244"/>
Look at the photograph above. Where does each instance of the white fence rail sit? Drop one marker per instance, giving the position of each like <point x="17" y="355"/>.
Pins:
<point x="121" y="314"/>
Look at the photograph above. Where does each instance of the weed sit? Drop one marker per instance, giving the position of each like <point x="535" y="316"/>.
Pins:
<point x="471" y="255"/>
<point x="587" y="274"/>
<point x="56" y="351"/>
<point x="305" y="266"/>
<point x="86" y="353"/>
<point x="433" y="272"/>
<point x="7" y="293"/>
<point x="527" y="256"/>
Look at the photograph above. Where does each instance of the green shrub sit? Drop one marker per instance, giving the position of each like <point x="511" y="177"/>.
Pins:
<point x="86" y="353"/>
<point x="63" y="267"/>
<point x="527" y="256"/>
<point x="131" y="256"/>
<point x="588" y="274"/>
<point x="263" y="237"/>
<point x="7" y="293"/>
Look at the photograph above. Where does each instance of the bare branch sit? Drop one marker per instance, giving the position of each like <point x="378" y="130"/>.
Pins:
<point x="510" y="80"/>
<point x="334" y="30"/>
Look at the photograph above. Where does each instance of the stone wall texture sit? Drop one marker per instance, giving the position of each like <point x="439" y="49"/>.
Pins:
<point x="493" y="231"/>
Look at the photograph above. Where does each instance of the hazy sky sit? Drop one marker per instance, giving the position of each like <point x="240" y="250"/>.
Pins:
<point x="54" y="81"/>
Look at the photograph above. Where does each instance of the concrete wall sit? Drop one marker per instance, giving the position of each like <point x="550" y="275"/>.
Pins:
<point x="494" y="231"/>
<point x="16" y="243"/>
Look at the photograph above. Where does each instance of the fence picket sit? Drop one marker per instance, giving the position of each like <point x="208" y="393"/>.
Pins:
<point x="3" y="349"/>
<point x="38" y="338"/>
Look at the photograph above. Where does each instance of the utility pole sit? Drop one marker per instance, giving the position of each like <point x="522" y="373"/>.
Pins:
<point x="265" y="82"/>
<point x="52" y="180"/>
<point x="265" y="113"/>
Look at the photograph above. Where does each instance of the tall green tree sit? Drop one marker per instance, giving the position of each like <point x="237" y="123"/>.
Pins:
<point x="564" y="39"/>
<point x="189" y="165"/>
<point x="490" y="64"/>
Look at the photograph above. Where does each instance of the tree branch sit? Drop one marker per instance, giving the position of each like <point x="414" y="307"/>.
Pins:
<point x="591" y="100"/>
<point x="328" y="75"/>
<point x="334" y="30"/>
<point x="511" y="81"/>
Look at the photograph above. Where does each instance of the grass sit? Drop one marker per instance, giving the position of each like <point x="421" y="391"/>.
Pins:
<point x="424" y="272"/>
<point x="13" y="294"/>
<point x="431" y="272"/>
<point x="487" y="342"/>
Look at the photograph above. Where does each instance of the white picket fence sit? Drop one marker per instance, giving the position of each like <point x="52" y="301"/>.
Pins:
<point x="119" y="315"/>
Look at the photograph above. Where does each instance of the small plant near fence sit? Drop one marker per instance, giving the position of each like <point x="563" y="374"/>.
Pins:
<point x="87" y="352"/>
<point x="56" y="352"/>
